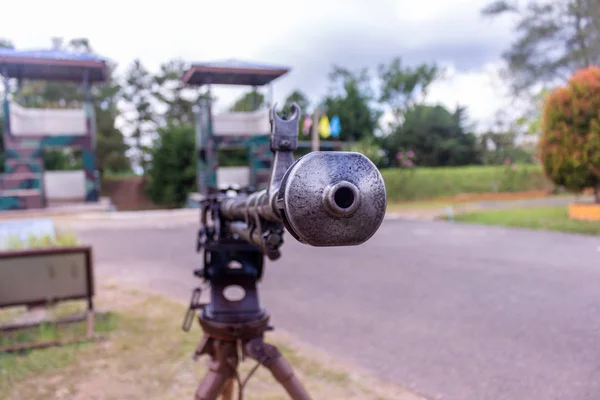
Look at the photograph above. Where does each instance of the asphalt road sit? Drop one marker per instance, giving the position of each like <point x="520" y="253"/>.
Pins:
<point x="451" y="311"/>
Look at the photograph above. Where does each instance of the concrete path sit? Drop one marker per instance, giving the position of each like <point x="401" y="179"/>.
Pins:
<point x="451" y="311"/>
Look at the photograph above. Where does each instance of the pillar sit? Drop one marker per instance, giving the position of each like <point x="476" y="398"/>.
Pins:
<point x="206" y="151"/>
<point x="88" y="152"/>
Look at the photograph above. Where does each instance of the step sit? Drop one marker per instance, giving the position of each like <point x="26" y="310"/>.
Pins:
<point x="21" y="199"/>
<point x="21" y="180"/>
<point x="20" y="192"/>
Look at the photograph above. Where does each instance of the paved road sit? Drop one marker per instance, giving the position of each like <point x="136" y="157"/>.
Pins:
<point x="456" y="312"/>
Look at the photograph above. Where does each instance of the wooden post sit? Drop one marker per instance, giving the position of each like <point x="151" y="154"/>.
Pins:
<point x="315" y="130"/>
<point x="228" y="391"/>
<point x="5" y="82"/>
<point x="87" y="95"/>
<point x="90" y="324"/>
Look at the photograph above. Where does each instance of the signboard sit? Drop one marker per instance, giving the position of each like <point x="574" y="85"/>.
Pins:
<point x="44" y="275"/>
<point x="24" y="229"/>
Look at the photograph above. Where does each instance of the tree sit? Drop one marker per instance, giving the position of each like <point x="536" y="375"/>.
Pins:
<point x="57" y="94"/>
<point x="570" y="144"/>
<point x="351" y="100"/>
<point x="249" y="101"/>
<point x="6" y="44"/>
<point x="178" y="100"/>
<point x="435" y="135"/>
<point x="369" y="146"/>
<point x="401" y="85"/>
<point x="140" y="115"/>
<point x="554" y="38"/>
<point x="299" y="98"/>
<point x="172" y="172"/>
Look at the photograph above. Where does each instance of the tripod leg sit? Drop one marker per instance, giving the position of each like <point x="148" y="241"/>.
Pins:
<point x="270" y="357"/>
<point x="228" y="390"/>
<point x="221" y="371"/>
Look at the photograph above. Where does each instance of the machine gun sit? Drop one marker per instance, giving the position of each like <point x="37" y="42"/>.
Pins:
<point x="321" y="199"/>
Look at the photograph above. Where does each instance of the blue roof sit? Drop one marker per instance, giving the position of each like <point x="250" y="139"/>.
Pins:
<point x="49" y="54"/>
<point x="42" y="64"/>
<point x="233" y="72"/>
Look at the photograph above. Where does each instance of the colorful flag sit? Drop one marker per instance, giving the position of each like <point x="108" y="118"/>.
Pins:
<point x="336" y="127"/>
<point x="324" y="127"/>
<point x="307" y="124"/>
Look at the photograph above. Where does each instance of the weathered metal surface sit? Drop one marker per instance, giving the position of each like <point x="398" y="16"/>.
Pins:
<point x="332" y="199"/>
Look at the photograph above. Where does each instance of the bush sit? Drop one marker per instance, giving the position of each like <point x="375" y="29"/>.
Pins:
<point x="570" y="143"/>
<point x="515" y="154"/>
<point x="172" y="173"/>
<point x="369" y="147"/>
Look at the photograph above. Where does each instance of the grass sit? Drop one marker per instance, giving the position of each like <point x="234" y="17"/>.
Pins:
<point x="539" y="218"/>
<point x="147" y="356"/>
<point x="61" y="239"/>
<point x="430" y="183"/>
<point x="15" y="368"/>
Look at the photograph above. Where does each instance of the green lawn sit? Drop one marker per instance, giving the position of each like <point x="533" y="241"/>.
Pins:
<point x="429" y="183"/>
<point x="544" y="218"/>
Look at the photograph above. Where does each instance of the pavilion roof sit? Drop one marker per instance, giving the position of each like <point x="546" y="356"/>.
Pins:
<point x="52" y="65"/>
<point x="233" y="72"/>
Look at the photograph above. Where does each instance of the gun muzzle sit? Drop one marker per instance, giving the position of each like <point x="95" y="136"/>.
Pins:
<point x="332" y="199"/>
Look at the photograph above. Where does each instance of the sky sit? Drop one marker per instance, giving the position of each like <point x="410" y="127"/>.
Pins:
<point x="309" y="36"/>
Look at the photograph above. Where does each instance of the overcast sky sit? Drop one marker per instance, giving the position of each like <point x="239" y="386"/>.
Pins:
<point x="309" y="36"/>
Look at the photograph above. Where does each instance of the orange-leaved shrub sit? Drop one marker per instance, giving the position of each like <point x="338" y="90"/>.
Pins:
<point x="570" y="142"/>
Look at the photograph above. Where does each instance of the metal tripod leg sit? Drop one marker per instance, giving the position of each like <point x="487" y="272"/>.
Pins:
<point x="270" y="357"/>
<point x="221" y="369"/>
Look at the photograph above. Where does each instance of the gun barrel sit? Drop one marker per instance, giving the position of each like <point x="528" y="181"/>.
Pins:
<point x="242" y="208"/>
<point x="325" y="199"/>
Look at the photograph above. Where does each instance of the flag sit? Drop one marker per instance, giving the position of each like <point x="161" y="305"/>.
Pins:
<point x="336" y="127"/>
<point x="307" y="124"/>
<point x="324" y="128"/>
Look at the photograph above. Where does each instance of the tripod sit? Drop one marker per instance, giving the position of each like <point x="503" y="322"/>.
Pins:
<point x="231" y="324"/>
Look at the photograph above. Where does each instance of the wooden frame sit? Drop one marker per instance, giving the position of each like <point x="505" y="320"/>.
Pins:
<point x="44" y="299"/>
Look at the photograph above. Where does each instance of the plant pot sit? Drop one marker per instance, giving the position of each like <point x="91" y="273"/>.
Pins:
<point x="584" y="211"/>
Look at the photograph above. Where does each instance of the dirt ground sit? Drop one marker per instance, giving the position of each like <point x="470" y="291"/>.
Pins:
<point x="148" y="356"/>
<point x="127" y="194"/>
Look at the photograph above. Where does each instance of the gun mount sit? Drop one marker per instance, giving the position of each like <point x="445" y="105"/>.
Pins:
<point x="321" y="199"/>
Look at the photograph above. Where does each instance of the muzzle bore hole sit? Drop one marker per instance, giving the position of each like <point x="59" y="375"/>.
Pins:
<point x="344" y="197"/>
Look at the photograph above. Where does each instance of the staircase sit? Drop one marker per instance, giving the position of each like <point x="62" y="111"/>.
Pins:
<point x="21" y="186"/>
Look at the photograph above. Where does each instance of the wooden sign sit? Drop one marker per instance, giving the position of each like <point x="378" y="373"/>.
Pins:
<point x="37" y="276"/>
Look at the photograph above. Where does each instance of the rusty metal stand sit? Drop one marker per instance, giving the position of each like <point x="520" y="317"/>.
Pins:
<point x="230" y="325"/>
<point x="221" y="342"/>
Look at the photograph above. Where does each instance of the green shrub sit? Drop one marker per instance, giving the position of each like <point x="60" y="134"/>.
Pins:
<point x="370" y="148"/>
<point x="172" y="173"/>
<point x="570" y="143"/>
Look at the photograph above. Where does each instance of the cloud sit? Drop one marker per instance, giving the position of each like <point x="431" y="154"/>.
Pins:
<point x="309" y="36"/>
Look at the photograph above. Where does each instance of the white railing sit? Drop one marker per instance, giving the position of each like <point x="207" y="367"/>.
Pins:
<point x="46" y="121"/>
<point x="242" y="123"/>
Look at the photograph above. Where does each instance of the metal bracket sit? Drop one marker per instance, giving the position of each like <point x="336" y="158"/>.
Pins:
<point x="191" y="311"/>
<point x="284" y="140"/>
